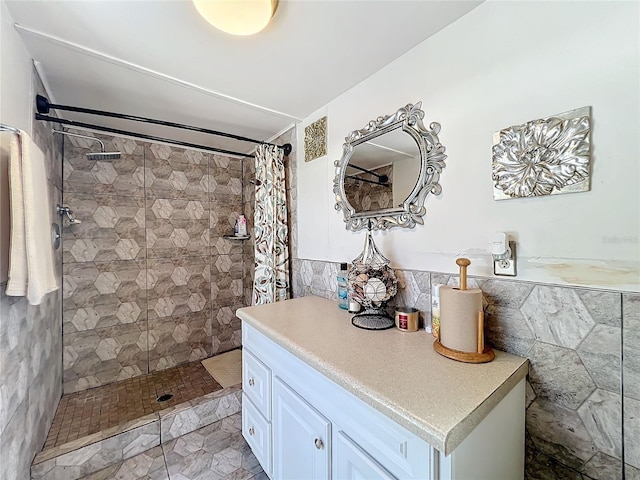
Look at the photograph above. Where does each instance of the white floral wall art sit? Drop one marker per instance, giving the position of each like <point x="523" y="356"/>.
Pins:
<point x="548" y="156"/>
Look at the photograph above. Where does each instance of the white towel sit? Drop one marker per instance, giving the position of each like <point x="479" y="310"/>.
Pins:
<point x="31" y="267"/>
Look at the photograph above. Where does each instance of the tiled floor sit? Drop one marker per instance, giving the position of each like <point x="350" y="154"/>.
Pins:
<point x="217" y="451"/>
<point x="90" y="411"/>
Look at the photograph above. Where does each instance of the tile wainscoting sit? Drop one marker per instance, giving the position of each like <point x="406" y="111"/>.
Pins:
<point x="575" y="339"/>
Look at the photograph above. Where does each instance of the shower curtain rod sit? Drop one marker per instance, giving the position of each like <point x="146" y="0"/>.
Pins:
<point x="43" y="106"/>
<point x="73" y="123"/>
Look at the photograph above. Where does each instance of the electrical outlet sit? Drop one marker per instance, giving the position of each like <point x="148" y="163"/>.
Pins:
<point x="506" y="267"/>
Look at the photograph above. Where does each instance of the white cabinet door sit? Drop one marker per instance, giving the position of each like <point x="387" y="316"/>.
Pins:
<point x="353" y="463"/>
<point x="301" y="437"/>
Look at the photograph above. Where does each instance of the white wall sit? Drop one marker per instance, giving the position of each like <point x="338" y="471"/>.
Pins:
<point x="15" y="110"/>
<point x="503" y="64"/>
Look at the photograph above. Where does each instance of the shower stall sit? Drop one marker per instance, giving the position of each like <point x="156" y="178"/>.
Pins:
<point x="149" y="279"/>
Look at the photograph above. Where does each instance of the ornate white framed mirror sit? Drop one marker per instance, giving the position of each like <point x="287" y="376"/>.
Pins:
<point x="387" y="170"/>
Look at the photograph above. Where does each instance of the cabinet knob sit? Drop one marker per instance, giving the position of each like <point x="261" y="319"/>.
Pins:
<point x="251" y="431"/>
<point x="319" y="443"/>
<point x="251" y="382"/>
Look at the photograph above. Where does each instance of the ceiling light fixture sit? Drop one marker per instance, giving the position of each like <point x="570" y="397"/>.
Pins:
<point x="237" y="17"/>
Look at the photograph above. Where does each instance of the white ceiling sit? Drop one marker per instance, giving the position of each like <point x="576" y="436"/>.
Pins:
<point x="160" y="59"/>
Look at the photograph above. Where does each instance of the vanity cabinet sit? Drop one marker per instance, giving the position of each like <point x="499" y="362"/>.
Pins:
<point x="302" y="424"/>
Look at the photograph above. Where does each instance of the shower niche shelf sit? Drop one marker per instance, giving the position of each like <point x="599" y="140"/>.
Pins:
<point x="237" y="237"/>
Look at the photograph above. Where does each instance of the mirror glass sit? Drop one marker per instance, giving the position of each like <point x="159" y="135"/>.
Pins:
<point x="387" y="170"/>
<point x="382" y="172"/>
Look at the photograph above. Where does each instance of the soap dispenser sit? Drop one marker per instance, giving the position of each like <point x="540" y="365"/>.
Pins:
<point x="343" y="292"/>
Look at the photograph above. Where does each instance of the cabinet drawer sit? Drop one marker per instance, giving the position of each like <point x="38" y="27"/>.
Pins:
<point x="256" y="383"/>
<point x="257" y="432"/>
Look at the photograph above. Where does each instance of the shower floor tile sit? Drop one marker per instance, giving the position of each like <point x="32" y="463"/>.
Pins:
<point x="90" y="411"/>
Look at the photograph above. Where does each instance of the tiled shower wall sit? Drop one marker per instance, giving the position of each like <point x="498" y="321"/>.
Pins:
<point x="584" y="352"/>
<point x="31" y="345"/>
<point x="149" y="279"/>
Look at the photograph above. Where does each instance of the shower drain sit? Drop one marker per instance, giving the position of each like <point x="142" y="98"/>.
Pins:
<point x="165" y="397"/>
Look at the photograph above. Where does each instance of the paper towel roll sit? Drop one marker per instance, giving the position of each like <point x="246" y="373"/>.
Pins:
<point x="459" y="318"/>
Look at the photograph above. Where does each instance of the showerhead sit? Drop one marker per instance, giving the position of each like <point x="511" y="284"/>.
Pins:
<point x="95" y="156"/>
<point x="103" y="156"/>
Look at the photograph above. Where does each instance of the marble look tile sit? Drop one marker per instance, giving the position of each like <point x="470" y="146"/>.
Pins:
<point x="227" y="290"/>
<point x="215" y="451"/>
<point x="604" y="307"/>
<point x="112" y="228"/>
<point x="226" y="279"/>
<point x="124" y="176"/>
<point x="559" y="432"/>
<point x="601" y="414"/>
<point x="226" y="329"/>
<point x="632" y="431"/>
<point x="631" y="310"/>
<point x="178" y="286"/>
<point x="530" y="395"/>
<point x="174" y="172"/>
<point x="306" y="272"/>
<point x="97" y="456"/>
<point x="96" y="357"/>
<point x="177" y="228"/>
<point x="225" y="180"/>
<point x="600" y="353"/>
<point x="631" y="346"/>
<point x="223" y="218"/>
<point x="556" y="315"/>
<point x="507" y="330"/>
<point x="329" y="276"/>
<point x="102" y="294"/>
<point x="200" y="413"/>
<point x="631" y="362"/>
<point x="178" y="339"/>
<point x="414" y="290"/>
<point x="544" y="467"/>
<point x="104" y="434"/>
<point x="603" y="467"/>
<point x="631" y="472"/>
<point x="557" y="374"/>
<point x="149" y="465"/>
<point x="505" y="293"/>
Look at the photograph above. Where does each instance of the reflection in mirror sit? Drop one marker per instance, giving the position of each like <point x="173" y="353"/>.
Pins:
<point x="387" y="170"/>
<point x="382" y="172"/>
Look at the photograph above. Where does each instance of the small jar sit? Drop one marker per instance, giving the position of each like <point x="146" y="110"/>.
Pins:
<point x="407" y="319"/>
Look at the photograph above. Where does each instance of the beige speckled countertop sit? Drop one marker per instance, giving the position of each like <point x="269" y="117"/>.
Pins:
<point x="397" y="373"/>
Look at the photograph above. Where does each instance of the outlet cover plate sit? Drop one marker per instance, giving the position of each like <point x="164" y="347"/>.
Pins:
<point x="510" y="270"/>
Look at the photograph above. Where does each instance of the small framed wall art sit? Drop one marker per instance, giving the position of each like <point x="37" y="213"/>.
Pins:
<point x="315" y="140"/>
<point x="549" y="156"/>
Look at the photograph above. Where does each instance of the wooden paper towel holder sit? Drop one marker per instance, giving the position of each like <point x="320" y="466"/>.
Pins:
<point x="484" y="353"/>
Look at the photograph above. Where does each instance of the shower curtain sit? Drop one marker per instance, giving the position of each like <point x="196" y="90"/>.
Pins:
<point x="271" y="280"/>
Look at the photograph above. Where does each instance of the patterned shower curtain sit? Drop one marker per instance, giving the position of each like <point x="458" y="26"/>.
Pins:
<point x="271" y="281"/>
